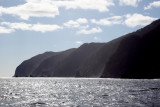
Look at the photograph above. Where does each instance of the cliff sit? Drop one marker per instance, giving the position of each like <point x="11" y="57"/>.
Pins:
<point x="135" y="55"/>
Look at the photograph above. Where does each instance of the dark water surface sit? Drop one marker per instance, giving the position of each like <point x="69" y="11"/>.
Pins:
<point x="62" y="92"/>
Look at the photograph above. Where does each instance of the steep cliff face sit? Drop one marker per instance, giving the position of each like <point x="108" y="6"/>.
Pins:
<point x="27" y="67"/>
<point x="49" y="66"/>
<point x="64" y="64"/>
<point x="135" y="55"/>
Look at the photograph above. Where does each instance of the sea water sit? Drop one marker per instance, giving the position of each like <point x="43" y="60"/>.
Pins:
<point x="78" y="92"/>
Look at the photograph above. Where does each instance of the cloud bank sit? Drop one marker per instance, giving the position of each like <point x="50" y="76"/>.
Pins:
<point x="4" y="30"/>
<point x="130" y="20"/>
<point x="82" y="25"/>
<point x="90" y="31"/>
<point x="32" y="27"/>
<point x="133" y="20"/>
<point x="75" y="23"/>
<point x="133" y="3"/>
<point x="50" y="8"/>
<point x="108" y="21"/>
<point x="155" y="4"/>
<point x="31" y="9"/>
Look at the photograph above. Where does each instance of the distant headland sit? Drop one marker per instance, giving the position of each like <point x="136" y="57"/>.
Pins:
<point x="135" y="55"/>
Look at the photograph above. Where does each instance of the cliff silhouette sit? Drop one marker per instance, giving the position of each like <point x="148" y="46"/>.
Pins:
<point x="135" y="55"/>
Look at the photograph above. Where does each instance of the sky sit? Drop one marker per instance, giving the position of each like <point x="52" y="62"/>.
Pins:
<point x="31" y="27"/>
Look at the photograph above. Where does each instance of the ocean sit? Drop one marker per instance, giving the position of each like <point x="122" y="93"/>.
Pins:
<point x="79" y="92"/>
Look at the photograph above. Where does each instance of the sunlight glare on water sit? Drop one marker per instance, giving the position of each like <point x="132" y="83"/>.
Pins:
<point x="49" y="92"/>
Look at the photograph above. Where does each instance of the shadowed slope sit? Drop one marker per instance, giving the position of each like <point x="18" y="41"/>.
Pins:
<point x="28" y="66"/>
<point x="49" y="66"/>
<point x="135" y="55"/>
<point x="138" y="55"/>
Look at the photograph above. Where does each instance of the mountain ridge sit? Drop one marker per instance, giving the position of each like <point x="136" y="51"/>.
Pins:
<point x="133" y="55"/>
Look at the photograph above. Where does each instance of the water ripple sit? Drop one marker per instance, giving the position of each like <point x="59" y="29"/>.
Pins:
<point x="54" y="92"/>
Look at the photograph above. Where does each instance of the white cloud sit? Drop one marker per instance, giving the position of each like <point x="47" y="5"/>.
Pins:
<point x="101" y="22"/>
<point x="75" y="23"/>
<point x="50" y="8"/>
<point x="82" y="20"/>
<point x="153" y="4"/>
<point x="130" y="20"/>
<point x="133" y="20"/>
<point x="108" y="21"/>
<point x="45" y="28"/>
<point x="71" y="24"/>
<point x="32" y="27"/>
<point x="79" y="42"/>
<point x="133" y="3"/>
<point x="90" y="31"/>
<point x="31" y="9"/>
<point x="20" y="26"/>
<point x="5" y="30"/>
<point x="100" y="5"/>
